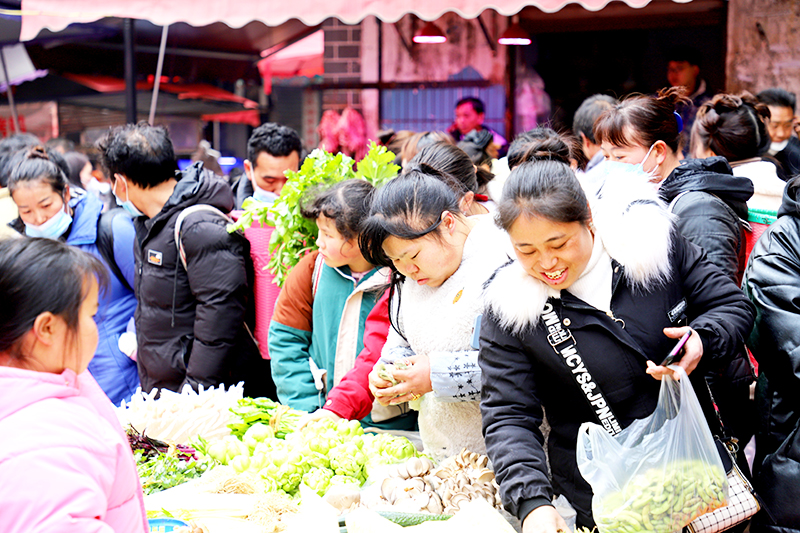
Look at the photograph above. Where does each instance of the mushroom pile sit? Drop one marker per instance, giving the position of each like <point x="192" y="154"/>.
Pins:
<point x="416" y="485"/>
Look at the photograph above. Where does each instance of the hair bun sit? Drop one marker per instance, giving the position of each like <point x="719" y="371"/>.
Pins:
<point x="551" y="149"/>
<point x="38" y="152"/>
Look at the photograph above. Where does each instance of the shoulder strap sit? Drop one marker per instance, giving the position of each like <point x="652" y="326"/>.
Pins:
<point x="182" y="216"/>
<point x="565" y="345"/>
<point x="105" y="242"/>
<point x="319" y="262"/>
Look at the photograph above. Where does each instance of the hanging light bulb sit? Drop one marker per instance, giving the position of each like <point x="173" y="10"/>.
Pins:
<point x="515" y="35"/>
<point x="430" y="34"/>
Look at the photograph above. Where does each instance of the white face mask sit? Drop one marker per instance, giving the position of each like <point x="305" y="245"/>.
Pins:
<point x="52" y="228"/>
<point x="653" y="174"/>
<point x="774" y="148"/>
<point x="263" y="195"/>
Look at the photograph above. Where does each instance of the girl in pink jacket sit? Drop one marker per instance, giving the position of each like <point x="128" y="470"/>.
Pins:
<point x="65" y="463"/>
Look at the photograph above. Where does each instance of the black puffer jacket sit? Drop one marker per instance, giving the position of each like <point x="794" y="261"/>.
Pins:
<point x="190" y="326"/>
<point x="772" y="281"/>
<point x="709" y="202"/>
<point x="712" y="200"/>
<point x="522" y="373"/>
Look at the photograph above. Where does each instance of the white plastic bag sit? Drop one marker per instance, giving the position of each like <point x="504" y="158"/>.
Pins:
<point x="659" y="473"/>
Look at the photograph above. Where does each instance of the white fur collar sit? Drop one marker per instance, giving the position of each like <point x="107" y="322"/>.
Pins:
<point x="636" y="229"/>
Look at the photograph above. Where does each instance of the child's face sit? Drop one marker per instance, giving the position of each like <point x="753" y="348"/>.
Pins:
<point x="335" y="249"/>
<point x="81" y="348"/>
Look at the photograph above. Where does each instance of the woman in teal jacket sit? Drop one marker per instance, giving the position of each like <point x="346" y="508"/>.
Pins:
<point x="317" y="329"/>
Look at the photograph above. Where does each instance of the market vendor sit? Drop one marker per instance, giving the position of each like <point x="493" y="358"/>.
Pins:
<point x="602" y="289"/>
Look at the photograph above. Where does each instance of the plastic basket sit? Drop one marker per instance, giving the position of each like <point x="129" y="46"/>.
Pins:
<point x="165" y="525"/>
<point x="759" y="221"/>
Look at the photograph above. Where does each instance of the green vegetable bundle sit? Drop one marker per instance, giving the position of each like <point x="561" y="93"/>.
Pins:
<point x="659" y="503"/>
<point x="249" y="411"/>
<point x="323" y="454"/>
<point x="294" y="235"/>
<point x="166" y="470"/>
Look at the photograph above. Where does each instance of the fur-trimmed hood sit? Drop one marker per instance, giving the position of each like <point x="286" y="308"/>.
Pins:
<point x="636" y="230"/>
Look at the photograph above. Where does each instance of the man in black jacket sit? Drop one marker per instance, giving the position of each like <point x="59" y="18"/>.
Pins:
<point x="192" y="322"/>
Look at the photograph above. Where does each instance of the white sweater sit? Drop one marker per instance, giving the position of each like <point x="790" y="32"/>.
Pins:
<point x="438" y="321"/>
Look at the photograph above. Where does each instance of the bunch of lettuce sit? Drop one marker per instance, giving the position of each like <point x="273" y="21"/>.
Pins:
<point x="249" y="411"/>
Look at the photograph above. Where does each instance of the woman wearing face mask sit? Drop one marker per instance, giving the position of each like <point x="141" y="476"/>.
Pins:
<point x="706" y="197"/>
<point x="440" y="260"/>
<point x="42" y="194"/>
<point x="710" y="203"/>
<point x="607" y="289"/>
<point x="65" y="462"/>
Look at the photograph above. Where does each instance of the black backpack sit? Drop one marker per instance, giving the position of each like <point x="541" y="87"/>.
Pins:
<point x="105" y="241"/>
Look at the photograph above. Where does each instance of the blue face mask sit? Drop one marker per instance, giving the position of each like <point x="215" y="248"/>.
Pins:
<point x="52" y="228"/>
<point x="263" y="195"/>
<point x="127" y="205"/>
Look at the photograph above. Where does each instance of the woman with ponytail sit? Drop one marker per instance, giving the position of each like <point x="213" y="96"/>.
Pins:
<point x="734" y="127"/>
<point x="46" y="209"/>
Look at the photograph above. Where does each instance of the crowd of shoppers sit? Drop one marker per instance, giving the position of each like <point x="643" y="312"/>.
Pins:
<point x="623" y="237"/>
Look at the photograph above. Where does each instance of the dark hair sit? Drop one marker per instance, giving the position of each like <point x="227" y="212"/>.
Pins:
<point x="140" y="152"/>
<point x="732" y="127"/>
<point x="418" y="141"/>
<point x="777" y="97"/>
<point x="75" y="162"/>
<point x="37" y="165"/>
<point x="684" y="53"/>
<point x="448" y="159"/>
<point x="546" y="189"/>
<point x="536" y="144"/>
<point x="643" y="120"/>
<point x="408" y="207"/>
<point x="40" y="275"/>
<point x="346" y="203"/>
<point x="9" y="147"/>
<point x="477" y="104"/>
<point x="275" y="139"/>
<point x="587" y="113"/>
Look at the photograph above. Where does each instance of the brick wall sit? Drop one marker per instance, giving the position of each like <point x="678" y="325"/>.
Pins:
<point x="342" y="64"/>
<point x="763" y="45"/>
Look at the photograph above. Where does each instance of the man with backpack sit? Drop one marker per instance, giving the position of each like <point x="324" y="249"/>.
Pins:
<point x="193" y="278"/>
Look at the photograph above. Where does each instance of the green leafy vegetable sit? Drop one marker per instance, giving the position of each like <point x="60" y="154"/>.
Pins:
<point x="294" y="235"/>
<point x="165" y="470"/>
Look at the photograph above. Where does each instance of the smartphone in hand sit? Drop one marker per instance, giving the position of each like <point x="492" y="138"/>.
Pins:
<point x="677" y="352"/>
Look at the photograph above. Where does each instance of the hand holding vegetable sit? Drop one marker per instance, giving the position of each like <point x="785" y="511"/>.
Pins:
<point x="415" y="379"/>
<point x="319" y="414"/>
<point x="693" y="351"/>
<point x="544" y="519"/>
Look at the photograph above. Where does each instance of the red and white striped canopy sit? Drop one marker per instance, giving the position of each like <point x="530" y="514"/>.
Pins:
<point x="58" y="14"/>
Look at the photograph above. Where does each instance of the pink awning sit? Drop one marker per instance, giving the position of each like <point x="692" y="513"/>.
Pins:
<point x="58" y="14"/>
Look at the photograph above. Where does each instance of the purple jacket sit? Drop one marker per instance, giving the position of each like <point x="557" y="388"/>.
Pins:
<point x="65" y="463"/>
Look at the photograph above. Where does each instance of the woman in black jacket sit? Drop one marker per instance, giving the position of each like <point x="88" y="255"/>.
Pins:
<point x="595" y="295"/>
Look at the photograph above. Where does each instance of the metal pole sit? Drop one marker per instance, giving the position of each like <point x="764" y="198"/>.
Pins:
<point x="128" y="32"/>
<point x="157" y="82"/>
<point x="511" y="91"/>
<point x="9" y="92"/>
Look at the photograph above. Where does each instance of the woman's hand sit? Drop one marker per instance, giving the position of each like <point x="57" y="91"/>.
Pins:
<point x="319" y="414"/>
<point x="414" y="382"/>
<point x="378" y="387"/>
<point x="544" y="519"/>
<point x="693" y="351"/>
